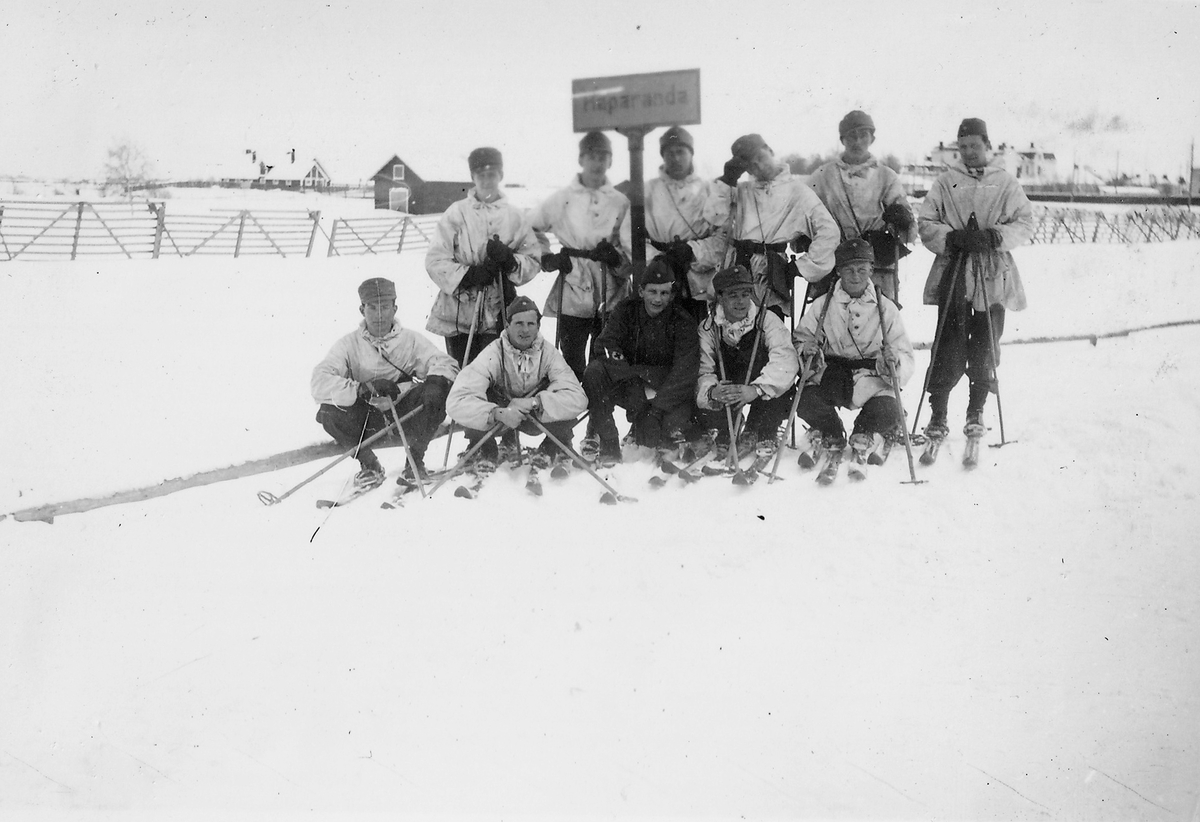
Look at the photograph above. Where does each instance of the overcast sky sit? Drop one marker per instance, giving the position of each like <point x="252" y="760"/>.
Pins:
<point x="353" y="83"/>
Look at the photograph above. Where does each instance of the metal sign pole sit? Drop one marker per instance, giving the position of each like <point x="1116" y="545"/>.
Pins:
<point x="637" y="199"/>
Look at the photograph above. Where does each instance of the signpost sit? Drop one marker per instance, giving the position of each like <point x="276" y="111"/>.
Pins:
<point x="634" y="104"/>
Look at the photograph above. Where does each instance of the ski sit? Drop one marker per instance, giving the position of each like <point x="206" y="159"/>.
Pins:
<point x="932" y="446"/>
<point x="974" y="432"/>
<point x="764" y="455"/>
<point x="880" y="456"/>
<point x="356" y="490"/>
<point x="478" y="474"/>
<point x="810" y="450"/>
<point x="703" y="451"/>
<point x="829" y="472"/>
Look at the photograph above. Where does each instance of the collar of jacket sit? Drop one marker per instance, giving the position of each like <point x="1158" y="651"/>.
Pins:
<point x="784" y="176"/>
<point x="511" y="350"/>
<point x="362" y="329"/>
<point x="991" y="168"/>
<point x="691" y="178"/>
<point x="577" y="185"/>
<point x="733" y="332"/>
<point x="857" y="169"/>
<point x="842" y="297"/>
<point x="502" y="199"/>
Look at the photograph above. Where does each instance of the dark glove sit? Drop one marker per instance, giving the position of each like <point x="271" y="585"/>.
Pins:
<point x="606" y="253"/>
<point x="501" y="255"/>
<point x="381" y="387"/>
<point x="898" y="217"/>
<point x="434" y="393"/>
<point x="679" y="256"/>
<point x="557" y="262"/>
<point x="800" y="243"/>
<point x="970" y="240"/>
<point x="477" y="276"/>
<point x="649" y="428"/>
<point x="734" y="167"/>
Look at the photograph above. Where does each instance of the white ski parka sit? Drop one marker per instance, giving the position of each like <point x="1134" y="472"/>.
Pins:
<point x="851" y="330"/>
<point x="459" y="241"/>
<point x="856" y="196"/>
<point x="399" y="355"/>
<point x="997" y="200"/>
<point x="692" y="209"/>
<point x="774" y="212"/>
<point x="580" y="217"/>
<point x="778" y="372"/>
<point x="519" y="374"/>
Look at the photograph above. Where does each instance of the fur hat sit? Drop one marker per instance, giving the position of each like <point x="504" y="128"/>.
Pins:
<point x="519" y="306"/>
<point x="482" y="158"/>
<point x="595" y="141"/>
<point x="973" y="125"/>
<point x="853" y="120"/>
<point x="731" y="277"/>
<point x="676" y="136"/>
<point x="856" y="249"/>
<point x="746" y="147"/>
<point x="376" y="288"/>
<point x="658" y="272"/>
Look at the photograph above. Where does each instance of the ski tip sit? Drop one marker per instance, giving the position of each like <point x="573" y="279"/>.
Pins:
<point x="668" y="467"/>
<point x="657" y="481"/>
<point x="536" y="490"/>
<point x="464" y="492"/>
<point x="608" y="498"/>
<point x="559" y="472"/>
<point x="741" y="478"/>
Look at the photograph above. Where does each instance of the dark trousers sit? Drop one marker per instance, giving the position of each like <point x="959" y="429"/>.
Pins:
<point x="456" y="346"/>
<point x="350" y="426"/>
<point x="964" y="347"/>
<point x="764" y="418"/>
<point x="819" y="404"/>
<point x="574" y="333"/>
<point x="563" y="429"/>
<point x="609" y="383"/>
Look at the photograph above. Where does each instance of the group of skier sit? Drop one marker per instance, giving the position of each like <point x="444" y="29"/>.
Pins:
<point x="701" y="333"/>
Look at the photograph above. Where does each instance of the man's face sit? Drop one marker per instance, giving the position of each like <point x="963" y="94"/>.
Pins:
<point x="858" y="144"/>
<point x="595" y="163"/>
<point x="656" y="297"/>
<point x="677" y="161"/>
<point x="487" y="181"/>
<point x="379" y="314"/>
<point x="736" y="302"/>
<point x="973" y="150"/>
<point x="854" y="276"/>
<point x="763" y="166"/>
<point x="523" y="329"/>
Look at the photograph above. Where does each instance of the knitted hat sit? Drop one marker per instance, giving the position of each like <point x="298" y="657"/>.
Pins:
<point x="658" y="272"/>
<point x="856" y="249"/>
<point x="973" y="125"/>
<point x="747" y="146"/>
<point x="853" y="120"/>
<point x="676" y="136"/>
<point x="519" y="306"/>
<point x="731" y="277"/>
<point x="376" y="288"/>
<point x="482" y="158"/>
<point x="595" y="141"/>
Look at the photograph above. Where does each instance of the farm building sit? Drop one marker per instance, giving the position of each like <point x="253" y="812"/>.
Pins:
<point x="281" y="170"/>
<point x="399" y="188"/>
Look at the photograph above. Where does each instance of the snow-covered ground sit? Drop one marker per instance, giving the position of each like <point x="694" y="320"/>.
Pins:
<point x="1020" y="642"/>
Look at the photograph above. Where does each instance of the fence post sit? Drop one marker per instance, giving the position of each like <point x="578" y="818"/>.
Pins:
<point x="315" y="216"/>
<point x="78" y="225"/>
<point x="332" y="237"/>
<point x="159" y="211"/>
<point x="237" y="248"/>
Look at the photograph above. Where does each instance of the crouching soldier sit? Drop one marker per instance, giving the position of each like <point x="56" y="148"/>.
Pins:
<point x="848" y="344"/>
<point x="746" y="358"/>
<point x="649" y="358"/>
<point x="381" y="362"/>
<point x="518" y="377"/>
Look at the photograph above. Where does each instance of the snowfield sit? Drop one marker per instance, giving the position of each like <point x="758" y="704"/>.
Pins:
<point x="1019" y="642"/>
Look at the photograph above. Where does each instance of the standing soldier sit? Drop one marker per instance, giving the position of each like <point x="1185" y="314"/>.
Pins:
<point x="972" y="218"/>
<point x="590" y="218"/>
<point x="682" y="210"/>
<point x="482" y="249"/>
<point x="866" y="199"/>
<point x="648" y="360"/>
<point x="746" y="358"/>
<point x="769" y="212"/>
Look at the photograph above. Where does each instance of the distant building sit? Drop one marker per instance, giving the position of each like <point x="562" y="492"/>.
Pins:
<point x="281" y="170"/>
<point x="1032" y="166"/>
<point x="399" y="188"/>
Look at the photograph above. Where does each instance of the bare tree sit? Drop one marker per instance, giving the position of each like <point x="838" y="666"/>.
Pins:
<point x="126" y="168"/>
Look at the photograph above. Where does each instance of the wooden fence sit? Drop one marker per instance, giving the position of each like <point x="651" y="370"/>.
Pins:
<point x="1152" y="225"/>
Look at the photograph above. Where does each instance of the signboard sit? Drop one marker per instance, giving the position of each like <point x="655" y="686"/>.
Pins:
<point x="668" y="98"/>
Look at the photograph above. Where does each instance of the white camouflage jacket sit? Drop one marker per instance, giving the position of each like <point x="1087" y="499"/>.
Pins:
<point x="692" y="209"/>
<point x="358" y="357"/>
<point x="778" y="373"/>
<point x="857" y="194"/>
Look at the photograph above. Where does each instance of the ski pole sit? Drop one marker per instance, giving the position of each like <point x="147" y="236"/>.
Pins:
<point x="466" y="356"/>
<point x="733" y="454"/>
<point x="895" y="381"/>
<point x="613" y="494"/>
<point x="992" y="348"/>
<point x="491" y="432"/>
<point x="412" y="461"/>
<point x="267" y="498"/>
<point x="791" y="420"/>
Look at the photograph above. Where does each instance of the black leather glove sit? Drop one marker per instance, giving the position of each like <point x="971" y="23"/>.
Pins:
<point x="680" y="257"/>
<point x="606" y="253"/>
<point x="501" y="255"/>
<point x="380" y="387"/>
<point x="735" y="167"/>
<point x="899" y="217"/>
<point x="434" y="393"/>
<point x="477" y="276"/>
<point x="557" y="262"/>
<point x="800" y="243"/>
<point x="970" y="240"/>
